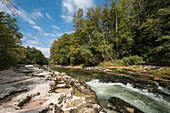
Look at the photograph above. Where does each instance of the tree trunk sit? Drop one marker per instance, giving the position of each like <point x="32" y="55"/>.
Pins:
<point x="116" y="27"/>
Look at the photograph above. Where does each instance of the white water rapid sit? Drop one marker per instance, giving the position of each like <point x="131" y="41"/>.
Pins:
<point x="147" y="102"/>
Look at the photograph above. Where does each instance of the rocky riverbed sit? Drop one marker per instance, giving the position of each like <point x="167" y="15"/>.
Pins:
<point x="127" y="89"/>
<point x="154" y="79"/>
<point x="29" y="89"/>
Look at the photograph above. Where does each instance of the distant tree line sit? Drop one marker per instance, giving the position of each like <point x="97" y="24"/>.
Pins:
<point x="119" y="31"/>
<point x="11" y="51"/>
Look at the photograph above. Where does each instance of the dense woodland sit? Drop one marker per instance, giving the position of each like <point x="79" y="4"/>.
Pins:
<point x="11" y="51"/>
<point x="120" y="32"/>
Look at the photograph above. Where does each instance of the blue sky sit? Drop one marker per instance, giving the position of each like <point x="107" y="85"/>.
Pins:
<point x="43" y="21"/>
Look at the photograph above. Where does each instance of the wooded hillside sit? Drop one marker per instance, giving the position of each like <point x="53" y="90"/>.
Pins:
<point x="120" y="33"/>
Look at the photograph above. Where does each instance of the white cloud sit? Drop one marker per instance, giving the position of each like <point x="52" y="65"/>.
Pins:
<point x="31" y="18"/>
<point x="7" y="7"/>
<point x="38" y="28"/>
<point x="24" y="38"/>
<point x="48" y="16"/>
<point x="69" y="32"/>
<point x="69" y="7"/>
<point x="36" y="15"/>
<point x="29" y="35"/>
<point x="3" y="7"/>
<point x="48" y="38"/>
<point x="53" y="35"/>
<point x="25" y="16"/>
<point x="67" y="18"/>
<point x="32" y="42"/>
<point x="31" y="22"/>
<point x="19" y="11"/>
<point x="44" y="50"/>
<point x="55" y="27"/>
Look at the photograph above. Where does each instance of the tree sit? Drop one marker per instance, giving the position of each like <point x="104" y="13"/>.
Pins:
<point x="119" y="30"/>
<point x="150" y="27"/>
<point x="61" y="50"/>
<point x="10" y="38"/>
<point x="35" y="56"/>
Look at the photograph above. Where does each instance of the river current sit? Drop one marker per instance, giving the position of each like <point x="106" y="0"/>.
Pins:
<point x="142" y="99"/>
<point x="147" y="102"/>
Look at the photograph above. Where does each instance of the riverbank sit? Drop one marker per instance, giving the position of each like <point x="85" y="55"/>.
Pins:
<point x="145" y="87"/>
<point x="155" y="79"/>
<point x="30" y="89"/>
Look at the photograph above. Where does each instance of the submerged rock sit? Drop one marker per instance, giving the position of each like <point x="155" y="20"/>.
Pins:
<point x="119" y="105"/>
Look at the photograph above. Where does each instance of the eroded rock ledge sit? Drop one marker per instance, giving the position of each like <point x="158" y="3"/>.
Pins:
<point x="30" y="89"/>
<point x="154" y="79"/>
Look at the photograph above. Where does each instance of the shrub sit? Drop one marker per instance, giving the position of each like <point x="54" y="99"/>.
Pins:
<point x="131" y="60"/>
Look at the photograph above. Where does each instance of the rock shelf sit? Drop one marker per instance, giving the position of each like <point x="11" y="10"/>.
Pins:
<point x="30" y="89"/>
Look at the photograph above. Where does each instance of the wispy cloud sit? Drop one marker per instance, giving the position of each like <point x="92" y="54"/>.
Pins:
<point x="43" y="38"/>
<point x="68" y="5"/>
<point x="32" y="42"/>
<point x="6" y="7"/>
<point x="48" y="16"/>
<point x="52" y="35"/>
<point x="38" y="28"/>
<point x="29" y="35"/>
<point x="67" y="18"/>
<point x="71" y="6"/>
<point x="42" y="45"/>
<point x="55" y="27"/>
<point x="21" y="13"/>
<point x="24" y="38"/>
<point x="69" y="32"/>
<point x="36" y="15"/>
<point x="46" y="50"/>
<point x="25" y="16"/>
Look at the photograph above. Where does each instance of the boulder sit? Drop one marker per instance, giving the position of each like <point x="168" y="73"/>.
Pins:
<point x="119" y="105"/>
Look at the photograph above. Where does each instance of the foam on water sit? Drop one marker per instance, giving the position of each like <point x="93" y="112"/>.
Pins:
<point x="145" y="101"/>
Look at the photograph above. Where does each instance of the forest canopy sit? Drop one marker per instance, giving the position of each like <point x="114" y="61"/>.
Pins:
<point x="11" y="51"/>
<point x="119" y="32"/>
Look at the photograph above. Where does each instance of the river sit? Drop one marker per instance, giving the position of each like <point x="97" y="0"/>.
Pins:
<point x="142" y="99"/>
<point x="147" y="102"/>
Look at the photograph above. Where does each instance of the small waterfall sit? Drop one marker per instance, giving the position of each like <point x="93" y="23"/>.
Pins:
<point x="143" y="100"/>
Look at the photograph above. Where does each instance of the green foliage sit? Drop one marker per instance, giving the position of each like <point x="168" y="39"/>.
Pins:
<point x="114" y="33"/>
<point x="131" y="60"/>
<point x="125" y="61"/>
<point x="11" y="51"/>
<point x="60" y="51"/>
<point x="35" y="56"/>
<point x="9" y="40"/>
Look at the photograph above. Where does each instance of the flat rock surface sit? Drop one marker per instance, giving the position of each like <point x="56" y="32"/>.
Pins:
<point x="42" y="91"/>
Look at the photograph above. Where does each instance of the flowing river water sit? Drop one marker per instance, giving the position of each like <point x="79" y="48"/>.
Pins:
<point x="147" y="102"/>
<point x="142" y="99"/>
